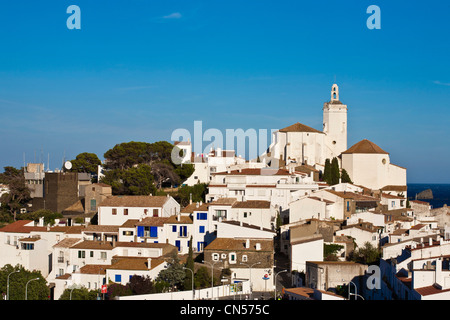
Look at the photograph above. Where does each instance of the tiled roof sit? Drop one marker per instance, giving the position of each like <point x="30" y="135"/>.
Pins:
<point x="67" y="243"/>
<point x="20" y="226"/>
<point x="239" y="244"/>
<point x="93" y="269"/>
<point x="134" y="201"/>
<point x="135" y="263"/>
<point x="152" y="221"/>
<point x="352" y="195"/>
<point x="365" y="146"/>
<point x="94" y="245"/>
<point x="426" y="291"/>
<point x="299" y="127"/>
<point x="252" y="204"/>
<point x="182" y="219"/>
<point x="190" y="208"/>
<point x="223" y="201"/>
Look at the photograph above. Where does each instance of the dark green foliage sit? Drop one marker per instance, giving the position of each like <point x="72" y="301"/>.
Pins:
<point x="174" y="274"/>
<point x="345" y="178"/>
<point x="18" y="194"/>
<point x="368" y="254"/>
<point x="86" y="162"/>
<point x="198" y="192"/>
<point x="36" y="289"/>
<point x="141" y="285"/>
<point x="79" y="294"/>
<point x="335" y="175"/>
<point x="48" y="215"/>
<point x="329" y="251"/>
<point x="190" y="265"/>
<point x="203" y="278"/>
<point x="117" y="289"/>
<point x="327" y="171"/>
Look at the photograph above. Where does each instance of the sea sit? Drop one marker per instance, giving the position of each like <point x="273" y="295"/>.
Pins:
<point x="441" y="193"/>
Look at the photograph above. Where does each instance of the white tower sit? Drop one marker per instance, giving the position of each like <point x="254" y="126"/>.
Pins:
<point x="335" y="124"/>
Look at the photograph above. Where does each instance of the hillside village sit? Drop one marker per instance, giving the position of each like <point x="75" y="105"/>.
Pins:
<point x="279" y="225"/>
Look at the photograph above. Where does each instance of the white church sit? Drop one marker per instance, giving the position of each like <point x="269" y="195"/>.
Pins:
<point x="366" y="163"/>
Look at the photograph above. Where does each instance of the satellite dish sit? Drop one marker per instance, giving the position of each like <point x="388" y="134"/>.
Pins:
<point x="68" y="165"/>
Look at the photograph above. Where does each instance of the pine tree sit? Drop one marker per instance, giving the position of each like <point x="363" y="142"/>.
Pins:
<point x="327" y="171"/>
<point x="189" y="265"/>
<point x="334" y="175"/>
<point x="345" y="178"/>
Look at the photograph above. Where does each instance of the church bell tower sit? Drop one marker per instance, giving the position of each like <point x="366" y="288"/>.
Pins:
<point x="335" y="124"/>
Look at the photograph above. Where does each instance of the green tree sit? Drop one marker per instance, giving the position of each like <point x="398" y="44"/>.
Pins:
<point x="330" y="250"/>
<point x="334" y="175"/>
<point x="174" y="274"/>
<point x="367" y="254"/>
<point x="133" y="181"/>
<point x="327" y="171"/>
<point x="118" y="290"/>
<point x="141" y="285"/>
<point x="184" y="171"/>
<point x="79" y="294"/>
<point x="18" y="194"/>
<point x="198" y="192"/>
<point x="19" y="283"/>
<point x="86" y="162"/>
<point x="190" y="265"/>
<point x="345" y="178"/>
<point x="48" y="215"/>
<point x="202" y="278"/>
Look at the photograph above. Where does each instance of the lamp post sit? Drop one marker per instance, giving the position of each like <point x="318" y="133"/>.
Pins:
<point x="353" y="294"/>
<point x="275" y="283"/>
<point x="193" y="292"/>
<point x="251" y="284"/>
<point x="7" y="284"/>
<point x="26" y="287"/>
<point x="212" y="275"/>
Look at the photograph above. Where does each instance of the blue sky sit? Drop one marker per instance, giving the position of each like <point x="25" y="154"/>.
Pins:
<point x="139" y="69"/>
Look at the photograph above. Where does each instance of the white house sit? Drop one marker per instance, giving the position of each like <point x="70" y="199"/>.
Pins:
<point x="368" y="165"/>
<point x="116" y="210"/>
<point x="304" y="249"/>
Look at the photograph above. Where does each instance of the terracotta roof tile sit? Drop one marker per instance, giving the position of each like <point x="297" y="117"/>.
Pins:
<point x="365" y="146"/>
<point x="298" y="127"/>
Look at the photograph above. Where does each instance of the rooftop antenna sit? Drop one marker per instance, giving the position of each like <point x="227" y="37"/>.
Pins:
<point x="48" y="161"/>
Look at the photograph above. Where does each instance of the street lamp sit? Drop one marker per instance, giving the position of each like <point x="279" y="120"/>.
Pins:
<point x="26" y="287"/>
<point x="193" y="292"/>
<point x="7" y="284"/>
<point x="251" y="283"/>
<point x="275" y="283"/>
<point x="356" y="291"/>
<point x="212" y="275"/>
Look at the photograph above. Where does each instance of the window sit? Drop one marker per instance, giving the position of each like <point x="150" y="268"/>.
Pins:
<point x="202" y="216"/>
<point x="244" y="258"/>
<point x="232" y="258"/>
<point x="91" y="254"/>
<point x="155" y="212"/>
<point x="93" y="205"/>
<point x="215" y="257"/>
<point x="103" y="255"/>
<point x="118" y="278"/>
<point x="114" y="211"/>
<point x="201" y="229"/>
<point x="81" y="254"/>
<point x="127" y="233"/>
<point x="245" y="214"/>
<point x="348" y="206"/>
<point x="27" y="246"/>
<point x="174" y="228"/>
<point x="125" y="212"/>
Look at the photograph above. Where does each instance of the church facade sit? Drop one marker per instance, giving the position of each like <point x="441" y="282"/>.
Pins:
<point x="365" y="162"/>
<point x="302" y="144"/>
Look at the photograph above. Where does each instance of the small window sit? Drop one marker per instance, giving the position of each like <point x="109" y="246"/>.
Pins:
<point x="244" y="258"/>
<point x="215" y="257"/>
<point x="81" y="254"/>
<point x="155" y="212"/>
<point x="114" y="211"/>
<point x="118" y="278"/>
<point x="125" y="212"/>
<point x="201" y="229"/>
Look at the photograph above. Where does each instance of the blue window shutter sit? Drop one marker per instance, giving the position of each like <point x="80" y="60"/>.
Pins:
<point x="178" y="244"/>
<point x="140" y="231"/>
<point x="174" y="228"/>
<point x="202" y="229"/>
<point x="198" y="215"/>
<point x="204" y="216"/>
<point x="153" y="232"/>
<point x="118" y="278"/>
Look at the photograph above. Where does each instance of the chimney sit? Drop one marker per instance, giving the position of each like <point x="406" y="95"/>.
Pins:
<point x="258" y="246"/>
<point x="149" y="263"/>
<point x="178" y="217"/>
<point x="247" y="244"/>
<point x="114" y="242"/>
<point x="430" y="241"/>
<point x="190" y="198"/>
<point x="197" y="205"/>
